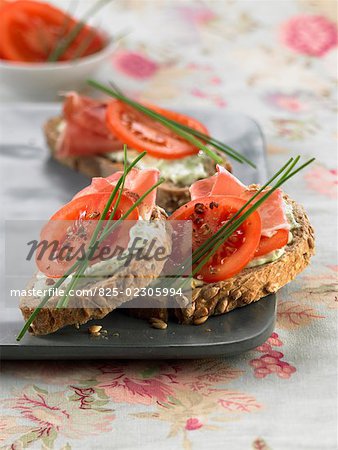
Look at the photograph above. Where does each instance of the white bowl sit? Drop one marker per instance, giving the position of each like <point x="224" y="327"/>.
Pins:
<point x="44" y="81"/>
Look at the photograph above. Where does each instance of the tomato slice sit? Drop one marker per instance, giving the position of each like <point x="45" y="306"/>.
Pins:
<point x="30" y="30"/>
<point x="73" y="225"/>
<point x="269" y="244"/>
<point x="143" y="133"/>
<point x="208" y="215"/>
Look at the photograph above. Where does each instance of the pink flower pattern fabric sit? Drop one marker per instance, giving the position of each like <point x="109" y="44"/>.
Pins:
<point x="271" y="361"/>
<point x="324" y="181"/>
<point x="310" y="35"/>
<point x="193" y="424"/>
<point x="275" y="62"/>
<point x="135" y="65"/>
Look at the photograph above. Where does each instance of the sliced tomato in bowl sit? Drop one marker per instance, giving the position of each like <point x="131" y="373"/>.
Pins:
<point x="30" y="30"/>
<point x="70" y="229"/>
<point x="143" y="133"/>
<point x="208" y="215"/>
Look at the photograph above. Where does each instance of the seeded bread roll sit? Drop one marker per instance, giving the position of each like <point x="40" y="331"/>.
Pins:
<point x="169" y="195"/>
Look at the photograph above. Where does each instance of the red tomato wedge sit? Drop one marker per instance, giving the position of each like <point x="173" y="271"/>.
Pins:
<point x="30" y="30"/>
<point x="208" y="215"/>
<point x="143" y="133"/>
<point x="72" y="227"/>
<point x="269" y="244"/>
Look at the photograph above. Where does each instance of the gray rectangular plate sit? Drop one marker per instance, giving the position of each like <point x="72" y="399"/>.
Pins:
<point x="36" y="186"/>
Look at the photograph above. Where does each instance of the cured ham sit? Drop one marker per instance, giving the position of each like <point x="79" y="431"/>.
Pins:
<point x="137" y="183"/>
<point x="84" y="131"/>
<point x="272" y="211"/>
<point x="222" y="183"/>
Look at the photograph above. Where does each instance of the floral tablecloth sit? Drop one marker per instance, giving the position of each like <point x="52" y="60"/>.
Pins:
<point x="275" y="61"/>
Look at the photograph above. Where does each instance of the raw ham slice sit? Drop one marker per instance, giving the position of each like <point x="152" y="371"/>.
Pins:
<point x="222" y="183"/>
<point x="272" y="211"/>
<point x="137" y="183"/>
<point x="85" y="132"/>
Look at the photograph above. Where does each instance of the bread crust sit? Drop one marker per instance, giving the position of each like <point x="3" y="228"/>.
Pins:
<point x="169" y="196"/>
<point x="252" y="284"/>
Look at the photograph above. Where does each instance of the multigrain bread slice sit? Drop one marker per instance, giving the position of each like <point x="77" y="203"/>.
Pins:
<point x="254" y="283"/>
<point x="250" y="285"/>
<point x="169" y="195"/>
<point x="83" y="308"/>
